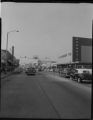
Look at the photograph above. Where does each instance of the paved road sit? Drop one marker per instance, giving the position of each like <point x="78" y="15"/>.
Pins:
<point x="44" y="96"/>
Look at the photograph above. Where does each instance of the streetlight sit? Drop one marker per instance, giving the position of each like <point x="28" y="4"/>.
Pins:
<point x="7" y="43"/>
<point x="7" y="37"/>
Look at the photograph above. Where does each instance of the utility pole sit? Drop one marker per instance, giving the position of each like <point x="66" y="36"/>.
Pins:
<point x="6" y="52"/>
<point x="7" y="46"/>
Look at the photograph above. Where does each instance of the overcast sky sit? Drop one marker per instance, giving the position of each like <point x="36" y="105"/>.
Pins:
<point x="45" y="29"/>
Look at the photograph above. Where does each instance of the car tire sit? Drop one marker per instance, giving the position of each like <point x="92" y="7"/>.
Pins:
<point x="79" y="80"/>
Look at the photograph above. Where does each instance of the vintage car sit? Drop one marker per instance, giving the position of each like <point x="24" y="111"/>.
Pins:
<point x="81" y="75"/>
<point x="66" y="72"/>
<point x="30" y="71"/>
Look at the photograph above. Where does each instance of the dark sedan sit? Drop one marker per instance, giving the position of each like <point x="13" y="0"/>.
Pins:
<point x="30" y="71"/>
<point x="66" y="72"/>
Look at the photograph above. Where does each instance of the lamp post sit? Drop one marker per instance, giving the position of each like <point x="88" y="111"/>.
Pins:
<point x="7" y="44"/>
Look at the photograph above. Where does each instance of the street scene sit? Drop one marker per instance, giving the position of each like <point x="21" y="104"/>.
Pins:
<point x="46" y="61"/>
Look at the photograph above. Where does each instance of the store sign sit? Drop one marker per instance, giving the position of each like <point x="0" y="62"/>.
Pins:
<point x="65" y="55"/>
<point x="13" y="50"/>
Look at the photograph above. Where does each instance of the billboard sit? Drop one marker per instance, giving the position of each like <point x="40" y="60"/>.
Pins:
<point x="86" y="54"/>
<point x="82" y="49"/>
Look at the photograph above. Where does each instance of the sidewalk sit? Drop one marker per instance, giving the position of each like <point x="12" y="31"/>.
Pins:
<point x="5" y="75"/>
<point x="54" y="73"/>
<point x="60" y="78"/>
<point x="8" y="73"/>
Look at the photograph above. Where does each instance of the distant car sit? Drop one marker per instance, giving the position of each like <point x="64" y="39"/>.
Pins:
<point x="81" y="75"/>
<point x="18" y="70"/>
<point x="51" y="70"/>
<point x="40" y="69"/>
<point x="30" y="71"/>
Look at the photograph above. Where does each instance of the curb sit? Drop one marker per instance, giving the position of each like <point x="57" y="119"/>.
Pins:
<point x="2" y="77"/>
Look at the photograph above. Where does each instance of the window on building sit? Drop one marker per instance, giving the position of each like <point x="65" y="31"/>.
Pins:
<point x="76" y="44"/>
<point x="79" y="66"/>
<point x="76" y="41"/>
<point x="76" y="47"/>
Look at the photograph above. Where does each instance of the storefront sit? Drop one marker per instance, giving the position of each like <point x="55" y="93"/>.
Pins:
<point x="10" y="63"/>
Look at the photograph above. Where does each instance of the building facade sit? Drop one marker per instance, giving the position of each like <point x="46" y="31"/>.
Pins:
<point x="8" y="60"/>
<point x="81" y="55"/>
<point x="82" y="50"/>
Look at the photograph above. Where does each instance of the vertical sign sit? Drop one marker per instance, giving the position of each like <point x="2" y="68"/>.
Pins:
<point x="13" y="50"/>
<point x="76" y="49"/>
<point x="12" y="54"/>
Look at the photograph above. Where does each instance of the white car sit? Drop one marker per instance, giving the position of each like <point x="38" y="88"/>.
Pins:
<point x="82" y="75"/>
<point x="51" y="70"/>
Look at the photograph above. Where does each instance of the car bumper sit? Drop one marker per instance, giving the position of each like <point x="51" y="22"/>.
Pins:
<point x="30" y="73"/>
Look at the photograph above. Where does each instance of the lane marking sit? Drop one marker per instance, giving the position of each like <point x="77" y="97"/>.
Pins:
<point x="50" y="101"/>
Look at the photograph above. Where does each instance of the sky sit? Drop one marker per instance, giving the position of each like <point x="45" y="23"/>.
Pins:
<point x="45" y="29"/>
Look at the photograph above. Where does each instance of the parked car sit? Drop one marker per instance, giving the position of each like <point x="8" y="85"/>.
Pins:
<point x="66" y="72"/>
<point x="51" y="70"/>
<point x="81" y="75"/>
<point x="39" y="69"/>
<point x="30" y="71"/>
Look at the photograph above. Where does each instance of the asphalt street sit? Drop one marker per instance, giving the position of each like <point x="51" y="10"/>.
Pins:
<point x="44" y="96"/>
